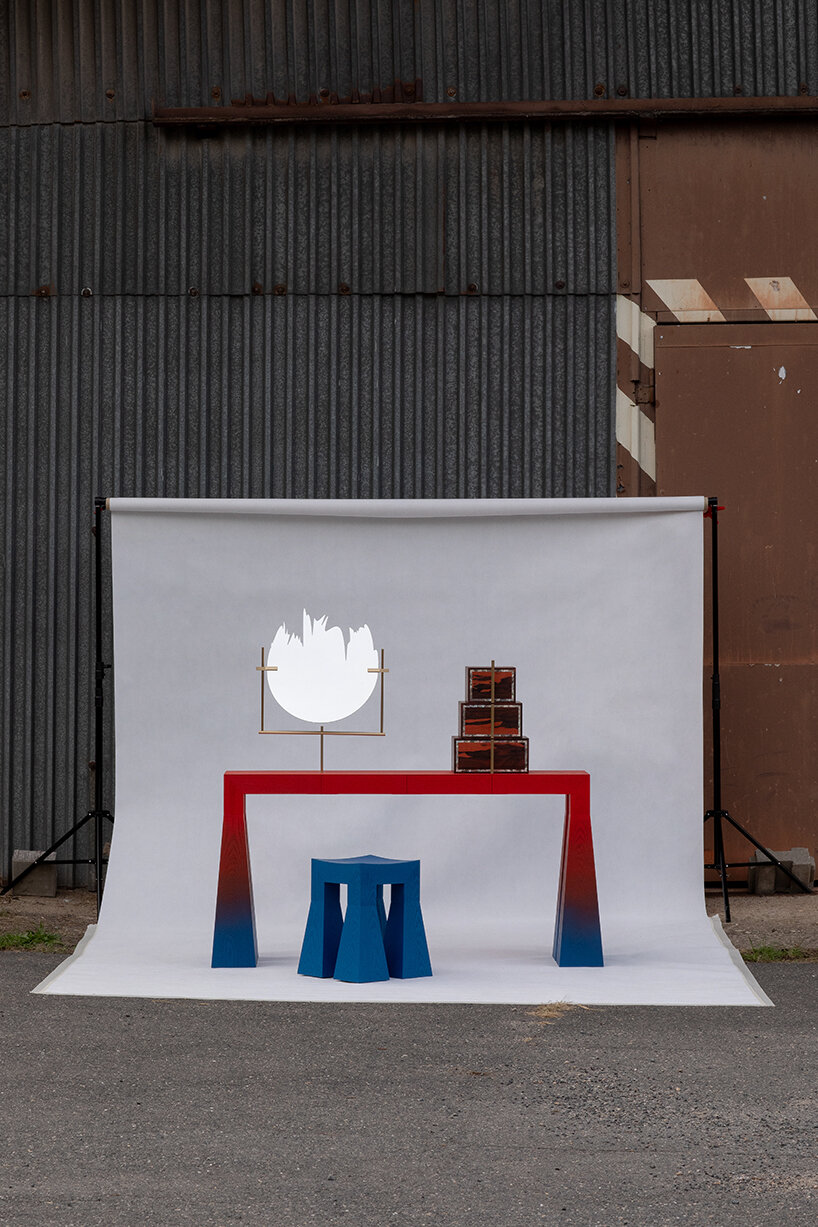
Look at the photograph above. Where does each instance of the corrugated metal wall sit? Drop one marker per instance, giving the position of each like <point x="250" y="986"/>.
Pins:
<point x="393" y="312"/>
<point x="101" y="60"/>
<point x="407" y="385"/>
<point x="132" y="209"/>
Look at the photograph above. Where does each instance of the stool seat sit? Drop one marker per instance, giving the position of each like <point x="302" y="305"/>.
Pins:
<point x="366" y="945"/>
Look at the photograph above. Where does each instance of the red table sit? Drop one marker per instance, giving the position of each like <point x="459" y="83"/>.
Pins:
<point x="577" y="937"/>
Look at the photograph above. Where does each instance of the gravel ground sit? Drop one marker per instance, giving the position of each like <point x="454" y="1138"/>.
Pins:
<point x="757" y="920"/>
<point x="769" y="920"/>
<point x="139" y="1113"/>
<point x="68" y="915"/>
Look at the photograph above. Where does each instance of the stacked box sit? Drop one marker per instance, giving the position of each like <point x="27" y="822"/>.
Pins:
<point x="481" y="720"/>
<point x="491" y="723"/>
<point x="478" y="685"/>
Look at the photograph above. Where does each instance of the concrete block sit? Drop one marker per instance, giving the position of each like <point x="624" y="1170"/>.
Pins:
<point x="783" y="885"/>
<point x="764" y="878"/>
<point x="803" y="866"/>
<point x="41" y="881"/>
<point x="761" y="877"/>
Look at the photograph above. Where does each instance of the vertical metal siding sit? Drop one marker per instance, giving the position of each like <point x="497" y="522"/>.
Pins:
<point x="84" y="61"/>
<point x="126" y="209"/>
<point x="686" y="48"/>
<point x="308" y="395"/>
<point x="301" y="396"/>
<point x="471" y="356"/>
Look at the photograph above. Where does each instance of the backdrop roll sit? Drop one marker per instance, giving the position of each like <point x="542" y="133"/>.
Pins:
<point x="598" y="605"/>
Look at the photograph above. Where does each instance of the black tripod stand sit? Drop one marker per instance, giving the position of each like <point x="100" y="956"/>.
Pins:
<point x="717" y="813"/>
<point x="98" y="813"/>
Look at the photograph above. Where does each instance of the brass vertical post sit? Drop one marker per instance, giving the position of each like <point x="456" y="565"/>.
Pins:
<point x="261" y="726"/>
<point x="382" y="690"/>
<point x="491" y="726"/>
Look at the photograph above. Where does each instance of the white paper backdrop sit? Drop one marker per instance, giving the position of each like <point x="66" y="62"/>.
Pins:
<point x="597" y="603"/>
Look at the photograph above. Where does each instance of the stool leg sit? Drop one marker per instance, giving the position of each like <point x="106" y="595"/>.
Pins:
<point x="407" y="954"/>
<point x="361" y="956"/>
<point x="319" y="949"/>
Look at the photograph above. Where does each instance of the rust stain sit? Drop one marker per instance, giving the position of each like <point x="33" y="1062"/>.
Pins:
<point x="716" y="432"/>
<point x="403" y="103"/>
<point x="398" y="91"/>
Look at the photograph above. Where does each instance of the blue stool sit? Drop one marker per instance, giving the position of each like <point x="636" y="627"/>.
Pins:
<point x="366" y="945"/>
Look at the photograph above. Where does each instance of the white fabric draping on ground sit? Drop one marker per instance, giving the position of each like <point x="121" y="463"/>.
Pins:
<point x="602" y="616"/>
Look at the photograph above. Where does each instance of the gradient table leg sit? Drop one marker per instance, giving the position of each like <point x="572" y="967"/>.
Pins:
<point x="577" y="935"/>
<point x="234" y="933"/>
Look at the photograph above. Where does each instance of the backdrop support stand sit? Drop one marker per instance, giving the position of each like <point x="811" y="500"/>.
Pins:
<point x="718" y="813"/>
<point x="98" y="813"/>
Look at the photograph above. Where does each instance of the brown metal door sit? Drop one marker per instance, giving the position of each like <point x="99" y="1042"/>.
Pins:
<point x="737" y="417"/>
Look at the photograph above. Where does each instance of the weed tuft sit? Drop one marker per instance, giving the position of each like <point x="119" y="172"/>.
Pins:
<point x="775" y="954"/>
<point x="32" y="939"/>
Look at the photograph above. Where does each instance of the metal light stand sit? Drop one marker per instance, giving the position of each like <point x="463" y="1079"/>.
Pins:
<point x="98" y="813"/>
<point x="718" y="813"/>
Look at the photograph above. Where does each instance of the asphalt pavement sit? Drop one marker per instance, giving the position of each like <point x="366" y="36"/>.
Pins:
<point x="144" y="1112"/>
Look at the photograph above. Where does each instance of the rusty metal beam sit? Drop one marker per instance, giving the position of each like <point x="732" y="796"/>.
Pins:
<point x="254" y="114"/>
